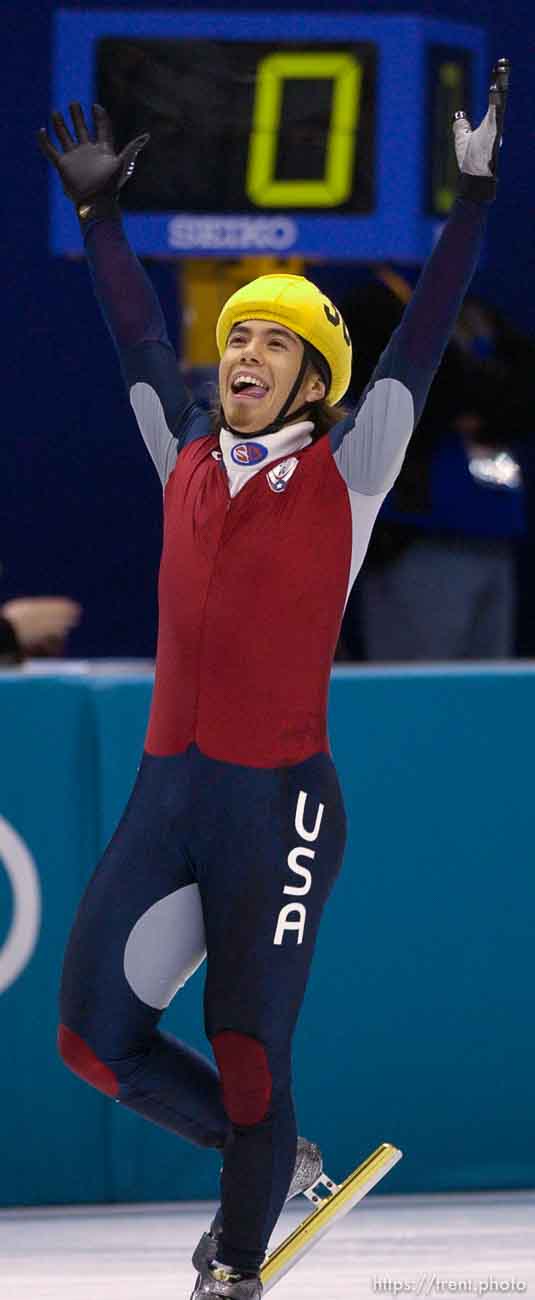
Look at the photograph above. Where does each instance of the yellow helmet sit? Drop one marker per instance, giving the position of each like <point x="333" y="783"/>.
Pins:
<point x="297" y="303"/>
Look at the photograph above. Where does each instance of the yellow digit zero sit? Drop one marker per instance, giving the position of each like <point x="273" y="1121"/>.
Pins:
<point x="261" y="185"/>
<point x="450" y="80"/>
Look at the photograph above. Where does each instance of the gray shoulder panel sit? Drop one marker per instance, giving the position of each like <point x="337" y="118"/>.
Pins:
<point x="158" y="439"/>
<point x="369" y="447"/>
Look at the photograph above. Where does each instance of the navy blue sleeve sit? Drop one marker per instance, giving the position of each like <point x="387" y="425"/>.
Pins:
<point x="370" y="444"/>
<point x="166" y="414"/>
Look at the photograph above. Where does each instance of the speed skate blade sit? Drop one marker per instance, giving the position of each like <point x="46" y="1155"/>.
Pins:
<point x="330" y="1209"/>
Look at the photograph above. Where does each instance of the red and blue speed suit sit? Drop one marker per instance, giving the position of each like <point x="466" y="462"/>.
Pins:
<point x="234" y="831"/>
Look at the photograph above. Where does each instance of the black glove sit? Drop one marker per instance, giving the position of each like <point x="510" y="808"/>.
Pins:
<point x="90" y="170"/>
<point x="478" y="151"/>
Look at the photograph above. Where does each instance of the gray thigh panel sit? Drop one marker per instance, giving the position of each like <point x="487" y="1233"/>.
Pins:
<point x="165" y="946"/>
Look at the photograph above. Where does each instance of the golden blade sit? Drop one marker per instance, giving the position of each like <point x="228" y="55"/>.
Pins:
<point x="332" y="1208"/>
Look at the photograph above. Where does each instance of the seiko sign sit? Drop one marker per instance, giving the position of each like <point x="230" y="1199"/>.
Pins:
<point x="255" y="234"/>
<point x="21" y="938"/>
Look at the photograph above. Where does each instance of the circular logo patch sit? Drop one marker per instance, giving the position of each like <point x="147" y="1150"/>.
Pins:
<point x="248" y="453"/>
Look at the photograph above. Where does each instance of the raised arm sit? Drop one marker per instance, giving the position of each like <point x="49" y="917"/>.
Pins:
<point x="92" y="175"/>
<point x="161" y="402"/>
<point x="370" y="444"/>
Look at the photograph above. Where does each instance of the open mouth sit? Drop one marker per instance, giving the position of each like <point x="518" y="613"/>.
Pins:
<point x="244" y="385"/>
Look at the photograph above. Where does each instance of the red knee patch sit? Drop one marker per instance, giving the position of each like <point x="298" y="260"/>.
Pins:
<point x="82" y="1060"/>
<point x="245" y="1076"/>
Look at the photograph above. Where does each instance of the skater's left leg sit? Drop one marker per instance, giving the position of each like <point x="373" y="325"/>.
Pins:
<point x="259" y="1153"/>
<point x="282" y="834"/>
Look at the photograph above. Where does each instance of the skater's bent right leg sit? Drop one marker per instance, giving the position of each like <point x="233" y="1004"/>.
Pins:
<point x="137" y="937"/>
<point x="164" y="1080"/>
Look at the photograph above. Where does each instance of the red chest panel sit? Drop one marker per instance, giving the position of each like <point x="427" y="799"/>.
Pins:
<point x="251" y="594"/>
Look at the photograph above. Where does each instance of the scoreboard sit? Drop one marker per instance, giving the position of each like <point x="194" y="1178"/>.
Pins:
<point x="320" y="136"/>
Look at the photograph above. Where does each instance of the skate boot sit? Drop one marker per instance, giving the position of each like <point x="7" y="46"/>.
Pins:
<point x="220" y="1282"/>
<point x="307" y="1169"/>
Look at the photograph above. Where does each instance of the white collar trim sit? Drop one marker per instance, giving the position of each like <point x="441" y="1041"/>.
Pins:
<point x="244" y="457"/>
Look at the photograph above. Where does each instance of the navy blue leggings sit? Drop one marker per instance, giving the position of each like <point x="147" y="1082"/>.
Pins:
<point x="232" y="862"/>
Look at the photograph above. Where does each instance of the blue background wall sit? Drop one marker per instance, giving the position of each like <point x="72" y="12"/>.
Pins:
<point x="80" y="503"/>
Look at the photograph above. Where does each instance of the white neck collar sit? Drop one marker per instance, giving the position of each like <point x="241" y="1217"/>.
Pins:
<point x="243" y="457"/>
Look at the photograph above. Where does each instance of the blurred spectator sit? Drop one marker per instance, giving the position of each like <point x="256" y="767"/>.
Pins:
<point x="439" y="579"/>
<point x="37" y="626"/>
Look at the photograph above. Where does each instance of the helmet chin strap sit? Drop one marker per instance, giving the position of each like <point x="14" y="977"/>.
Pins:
<point x="283" y="417"/>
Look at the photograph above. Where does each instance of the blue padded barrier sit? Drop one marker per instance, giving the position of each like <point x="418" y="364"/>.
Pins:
<point x="417" y="1027"/>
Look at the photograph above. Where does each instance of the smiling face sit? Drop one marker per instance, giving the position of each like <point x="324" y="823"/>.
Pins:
<point x="257" y="370"/>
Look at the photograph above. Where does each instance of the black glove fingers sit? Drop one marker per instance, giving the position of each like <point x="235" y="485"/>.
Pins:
<point x="62" y="132"/>
<point x="46" y="147"/>
<point x="498" y="97"/>
<point x="79" y="123"/>
<point x="103" y="127"/>
<point x="501" y="74"/>
<point x="127" y="158"/>
<point x="500" y="83"/>
<point x="131" y="150"/>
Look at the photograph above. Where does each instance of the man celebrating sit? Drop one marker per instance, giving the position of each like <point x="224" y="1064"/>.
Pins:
<point x="234" y="832"/>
